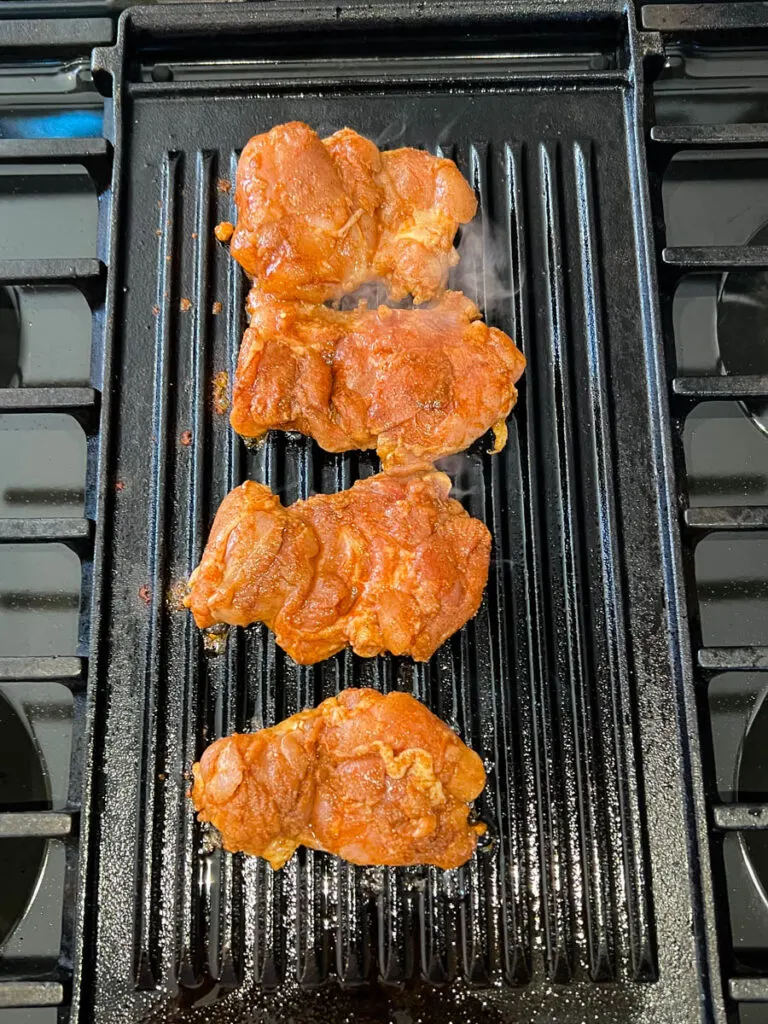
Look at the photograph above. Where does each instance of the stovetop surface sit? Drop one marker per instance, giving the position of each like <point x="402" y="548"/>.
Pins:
<point x="721" y="325"/>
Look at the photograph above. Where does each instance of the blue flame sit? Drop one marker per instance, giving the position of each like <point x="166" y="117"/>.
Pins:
<point x="65" y="124"/>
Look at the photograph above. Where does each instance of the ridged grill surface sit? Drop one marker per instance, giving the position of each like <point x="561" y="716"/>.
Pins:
<point x="550" y="683"/>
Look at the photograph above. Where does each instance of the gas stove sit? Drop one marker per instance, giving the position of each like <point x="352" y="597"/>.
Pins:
<point x="710" y="156"/>
<point x="705" y="121"/>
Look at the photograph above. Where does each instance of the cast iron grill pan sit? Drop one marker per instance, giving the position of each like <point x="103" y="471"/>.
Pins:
<point x="566" y="682"/>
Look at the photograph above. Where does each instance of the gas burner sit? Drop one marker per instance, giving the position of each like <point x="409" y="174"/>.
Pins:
<point x="753" y="788"/>
<point x="23" y="786"/>
<point x="742" y="327"/>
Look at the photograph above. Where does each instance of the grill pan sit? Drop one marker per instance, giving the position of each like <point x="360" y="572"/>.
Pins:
<point x="590" y="900"/>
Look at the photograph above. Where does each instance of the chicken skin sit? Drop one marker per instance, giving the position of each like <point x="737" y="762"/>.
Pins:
<point x="412" y="383"/>
<point x="392" y="564"/>
<point x="375" y="779"/>
<point x="425" y="200"/>
<point x="318" y="218"/>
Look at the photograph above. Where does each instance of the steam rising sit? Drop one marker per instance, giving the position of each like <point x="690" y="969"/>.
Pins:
<point x="484" y="271"/>
<point x="464" y="469"/>
<point x="392" y="135"/>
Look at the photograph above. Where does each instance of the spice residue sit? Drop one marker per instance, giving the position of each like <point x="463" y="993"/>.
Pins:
<point x="185" y="305"/>
<point x="145" y="593"/>
<point x="174" y="599"/>
<point x="186" y="438"/>
<point x="224" y="231"/>
<point x="223" y="185"/>
<point x="216" y="308"/>
<point x="215" y="639"/>
<point x="220" y="392"/>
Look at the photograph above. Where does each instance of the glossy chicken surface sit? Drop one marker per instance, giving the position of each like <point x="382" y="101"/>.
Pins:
<point x="318" y="218"/>
<point x="375" y="779"/>
<point x="392" y="564"/>
<point x="412" y="383"/>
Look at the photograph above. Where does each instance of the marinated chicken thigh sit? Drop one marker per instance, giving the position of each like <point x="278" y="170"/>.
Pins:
<point x="375" y="779"/>
<point x="412" y="383"/>
<point x="318" y="218"/>
<point x="392" y="564"/>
